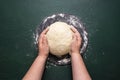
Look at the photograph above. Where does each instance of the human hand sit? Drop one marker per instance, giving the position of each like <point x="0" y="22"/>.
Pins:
<point x="76" y="42"/>
<point x="43" y="44"/>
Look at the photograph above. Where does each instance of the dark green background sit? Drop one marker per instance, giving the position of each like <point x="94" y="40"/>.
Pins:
<point x="19" y="19"/>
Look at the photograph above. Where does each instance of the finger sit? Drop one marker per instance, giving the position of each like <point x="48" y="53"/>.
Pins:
<point x="74" y="38"/>
<point x="45" y="40"/>
<point x="45" y="31"/>
<point x="40" y="39"/>
<point x="73" y="29"/>
<point x="76" y="32"/>
<point x="79" y="39"/>
<point x="78" y="36"/>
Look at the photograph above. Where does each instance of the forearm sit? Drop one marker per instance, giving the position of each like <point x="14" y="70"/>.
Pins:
<point x="36" y="70"/>
<point x="78" y="68"/>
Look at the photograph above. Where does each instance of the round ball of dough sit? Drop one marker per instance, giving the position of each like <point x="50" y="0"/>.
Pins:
<point x="59" y="38"/>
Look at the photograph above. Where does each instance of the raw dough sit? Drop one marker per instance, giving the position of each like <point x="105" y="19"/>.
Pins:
<point x="59" y="38"/>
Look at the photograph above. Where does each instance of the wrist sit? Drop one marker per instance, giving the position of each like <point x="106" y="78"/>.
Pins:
<point x="42" y="55"/>
<point x="75" y="53"/>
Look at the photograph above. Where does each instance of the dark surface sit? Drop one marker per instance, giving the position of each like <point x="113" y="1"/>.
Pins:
<point x="70" y="20"/>
<point x="19" y="19"/>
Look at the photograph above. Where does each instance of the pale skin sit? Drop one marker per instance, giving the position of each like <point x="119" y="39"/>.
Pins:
<point x="79" y="70"/>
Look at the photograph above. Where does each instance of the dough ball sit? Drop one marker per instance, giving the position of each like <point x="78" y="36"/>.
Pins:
<point x="59" y="38"/>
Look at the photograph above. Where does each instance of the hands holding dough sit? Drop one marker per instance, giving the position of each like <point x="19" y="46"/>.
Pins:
<point x="62" y="39"/>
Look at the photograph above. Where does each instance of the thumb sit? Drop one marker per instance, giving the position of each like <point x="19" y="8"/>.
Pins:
<point x="74" y="37"/>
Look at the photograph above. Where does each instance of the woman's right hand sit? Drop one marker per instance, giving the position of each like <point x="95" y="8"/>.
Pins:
<point x="43" y="44"/>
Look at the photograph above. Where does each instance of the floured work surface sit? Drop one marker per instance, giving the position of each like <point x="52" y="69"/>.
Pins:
<point x="70" y="20"/>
